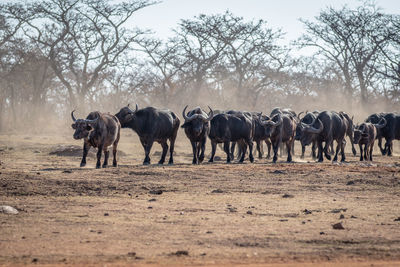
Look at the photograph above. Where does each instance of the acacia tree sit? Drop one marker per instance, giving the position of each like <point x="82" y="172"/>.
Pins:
<point x="82" y="38"/>
<point x="350" y="39"/>
<point x="252" y="55"/>
<point x="389" y="62"/>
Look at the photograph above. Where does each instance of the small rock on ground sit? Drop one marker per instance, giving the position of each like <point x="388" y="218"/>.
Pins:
<point x="8" y="210"/>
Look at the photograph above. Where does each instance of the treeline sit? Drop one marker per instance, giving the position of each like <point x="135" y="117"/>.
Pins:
<point x="58" y="55"/>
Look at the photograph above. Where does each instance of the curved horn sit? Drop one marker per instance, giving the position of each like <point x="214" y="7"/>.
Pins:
<point x="380" y="125"/>
<point x="137" y="108"/>
<point x="184" y="114"/>
<point x="298" y="115"/>
<point x="189" y="119"/>
<point x="210" y="115"/>
<point x="270" y="122"/>
<point x="72" y="116"/>
<point x="313" y="130"/>
<point x="92" y="121"/>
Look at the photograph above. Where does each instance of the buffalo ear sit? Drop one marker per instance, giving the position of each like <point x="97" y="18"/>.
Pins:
<point x="186" y="124"/>
<point x="73" y="126"/>
<point x="89" y="127"/>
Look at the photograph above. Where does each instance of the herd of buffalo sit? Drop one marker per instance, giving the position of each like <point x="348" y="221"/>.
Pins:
<point x="238" y="128"/>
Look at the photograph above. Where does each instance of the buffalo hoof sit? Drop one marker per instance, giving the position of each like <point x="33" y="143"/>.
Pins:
<point x="105" y="166"/>
<point x="211" y="160"/>
<point x="170" y="163"/>
<point x="268" y="157"/>
<point x="251" y="159"/>
<point x="343" y="160"/>
<point x="354" y="151"/>
<point x="146" y="163"/>
<point x="83" y="164"/>
<point x="328" y="156"/>
<point x="115" y="164"/>
<point x="161" y="162"/>
<point x="335" y="158"/>
<point x="98" y="166"/>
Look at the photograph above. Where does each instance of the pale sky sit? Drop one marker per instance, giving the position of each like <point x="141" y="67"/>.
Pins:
<point x="284" y="14"/>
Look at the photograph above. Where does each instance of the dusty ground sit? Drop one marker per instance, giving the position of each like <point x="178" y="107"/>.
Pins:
<point x="212" y="214"/>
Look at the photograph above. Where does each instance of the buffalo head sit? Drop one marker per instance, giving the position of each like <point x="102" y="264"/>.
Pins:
<point x="82" y="127"/>
<point x="125" y="115"/>
<point x="196" y="119"/>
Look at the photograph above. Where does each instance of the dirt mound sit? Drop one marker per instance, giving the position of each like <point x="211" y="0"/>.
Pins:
<point x="75" y="151"/>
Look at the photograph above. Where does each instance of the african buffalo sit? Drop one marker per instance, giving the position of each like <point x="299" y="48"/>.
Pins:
<point x="349" y="129"/>
<point x="280" y="129"/>
<point x="365" y="134"/>
<point x="151" y="125"/>
<point x="326" y="127"/>
<point x="307" y="119"/>
<point x="197" y="127"/>
<point x="390" y="132"/>
<point x="226" y="128"/>
<point x="98" y="130"/>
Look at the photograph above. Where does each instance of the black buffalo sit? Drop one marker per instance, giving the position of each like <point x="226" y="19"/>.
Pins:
<point x="281" y="130"/>
<point x="349" y="129"/>
<point x="307" y="119"/>
<point x="365" y="134"/>
<point x="390" y="132"/>
<point x="260" y="134"/>
<point x="98" y="130"/>
<point x="197" y="127"/>
<point x="226" y="128"/>
<point x="152" y="125"/>
<point x="327" y="127"/>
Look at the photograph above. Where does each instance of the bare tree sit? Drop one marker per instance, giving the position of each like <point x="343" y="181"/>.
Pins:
<point x="350" y="39"/>
<point x="82" y="39"/>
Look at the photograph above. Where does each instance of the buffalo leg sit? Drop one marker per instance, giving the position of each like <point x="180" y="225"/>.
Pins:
<point x="86" y="148"/>
<point x="194" y="149"/>
<point x="320" y="152"/>
<point x="164" y="146"/>
<point x="115" y="145"/>
<point x="250" y="144"/>
<point x="371" y="149"/>
<point x="202" y="149"/>
<point x="106" y="155"/>
<point x="365" y="152"/>
<point x="326" y="148"/>
<point x="289" y="150"/>
<point x="171" y="150"/>
<point x="268" y="143"/>
<point x="213" y="148"/>
<point x="303" y="150"/>
<point x="243" y="154"/>
<point x="338" y="146"/>
<point x="380" y="146"/>
<point x="388" y="147"/>
<point x="258" y="146"/>
<point x="275" y="147"/>
<point x="313" y="150"/>
<point x="361" y="152"/>
<point x="292" y="148"/>
<point x="343" y="146"/>
<point x="233" y="146"/>
<point x="147" y="147"/>
<point x="99" y="151"/>
<point x="226" y="149"/>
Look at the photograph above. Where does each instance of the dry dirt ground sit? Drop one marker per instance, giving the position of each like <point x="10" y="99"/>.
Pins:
<point x="212" y="214"/>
